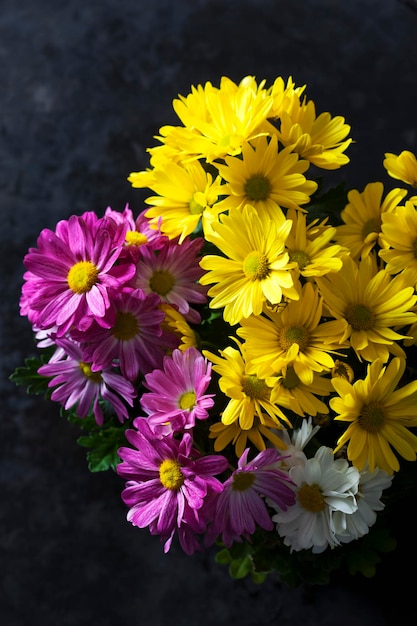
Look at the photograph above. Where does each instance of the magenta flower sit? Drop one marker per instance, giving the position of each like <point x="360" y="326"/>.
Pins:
<point x="168" y="484"/>
<point x="241" y="505"/>
<point x="71" y="270"/>
<point x="178" y="395"/>
<point x="173" y="273"/>
<point x="77" y="384"/>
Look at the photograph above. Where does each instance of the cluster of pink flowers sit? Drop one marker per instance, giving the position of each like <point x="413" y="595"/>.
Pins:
<point x="96" y="289"/>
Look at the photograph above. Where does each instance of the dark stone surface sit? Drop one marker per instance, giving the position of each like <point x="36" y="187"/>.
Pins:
<point x="84" y="86"/>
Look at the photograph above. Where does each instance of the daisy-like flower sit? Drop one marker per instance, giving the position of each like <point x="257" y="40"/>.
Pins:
<point x="263" y="429"/>
<point x="139" y="232"/>
<point x="372" y="303"/>
<point x="402" y="166"/>
<point x="241" y="506"/>
<point x="362" y="218"/>
<point x="176" y="323"/>
<point x="256" y="267"/>
<point x="370" y="489"/>
<point x="399" y="237"/>
<point x="266" y="178"/>
<point x="314" y="255"/>
<point x="135" y="338"/>
<point x="249" y="396"/>
<point x="290" y="392"/>
<point x="187" y="194"/>
<point x="177" y="393"/>
<point x="77" y="385"/>
<point x="168" y="484"/>
<point x="296" y="442"/>
<point x="380" y="415"/>
<point x="292" y="337"/>
<point x="283" y="94"/>
<point x="73" y="269"/>
<point x="173" y="273"/>
<point x="324" y="486"/>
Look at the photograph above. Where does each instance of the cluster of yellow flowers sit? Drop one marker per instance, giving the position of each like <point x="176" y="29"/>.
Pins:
<point x="323" y="313"/>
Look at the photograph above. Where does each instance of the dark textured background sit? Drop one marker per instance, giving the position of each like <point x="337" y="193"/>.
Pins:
<point x="84" y="86"/>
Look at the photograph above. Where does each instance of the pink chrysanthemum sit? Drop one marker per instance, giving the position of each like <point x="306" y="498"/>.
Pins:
<point x="168" y="484"/>
<point x="178" y="395"/>
<point x="134" y="338"/>
<point x="72" y="269"/>
<point x="173" y="274"/>
<point x="139" y="234"/>
<point x="76" y="384"/>
<point x="241" y="505"/>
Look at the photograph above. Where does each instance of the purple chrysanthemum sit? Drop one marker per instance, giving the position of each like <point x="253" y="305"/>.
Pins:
<point x="139" y="234"/>
<point x="168" y="484"/>
<point x="76" y="384"/>
<point x="241" y="505"/>
<point x="178" y="395"/>
<point x="71" y="270"/>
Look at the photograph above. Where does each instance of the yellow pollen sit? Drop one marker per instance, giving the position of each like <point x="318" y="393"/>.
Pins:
<point x="195" y="207"/>
<point x="162" y="282"/>
<point x="135" y="238"/>
<point x="311" y="498"/>
<point x="255" y="266"/>
<point x="257" y="188"/>
<point x="187" y="400"/>
<point x="301" y="258"/>
<point x="290" y="380"/>
<point x="243" y="480"/>
<point x="255" y="388"/>
<point x="170" y="474"/>
<point x="82" y="276"/>
<point x="293" y="334"/>
<point x="371" y="226"/>
<point x="126" y="326"/>
<point x="360" y="317"/>
<point x="95" y="377"/>
<point x="372" y="417"/>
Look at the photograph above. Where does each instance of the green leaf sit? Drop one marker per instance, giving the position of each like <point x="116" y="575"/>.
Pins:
<point x="104" y="444"/>
<point x="27" y="376"/>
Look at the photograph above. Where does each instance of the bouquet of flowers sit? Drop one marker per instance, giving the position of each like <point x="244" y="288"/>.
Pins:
<point x="241" y="350"/>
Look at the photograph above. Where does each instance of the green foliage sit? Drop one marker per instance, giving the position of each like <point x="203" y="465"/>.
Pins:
<point x="27" y="375"/>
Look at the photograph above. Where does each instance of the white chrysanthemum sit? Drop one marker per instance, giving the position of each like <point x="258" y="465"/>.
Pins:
<point x="324" y="485"/>
<point x="296" y="442"/>
<point x="371" y="486"/>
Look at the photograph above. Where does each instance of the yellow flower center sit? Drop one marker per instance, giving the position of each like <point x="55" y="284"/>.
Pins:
<point x="126" y="326"/>
<point x="290" y="380"/>
<point x="95" y="377"/>
<point x="311" y="498"/>
<point x="162" y="282"/>
<point x="360" y="317"/>
<point x="195" y="207"/>
<point x="371" y="417"/>
<point x="134" y="238"/>
<point x="242" y="481"/>
<point x="294" y="334"/>
<point x="255" y="388"/>
<point x="371" y="226"/>
<point x="187" y="400"/>
<point x="82" y="276"/>
<point x="300" y="257"/>
<point x="170" y="474"/>
<point x="257" y="188"/>
<point x="256" y="266"/>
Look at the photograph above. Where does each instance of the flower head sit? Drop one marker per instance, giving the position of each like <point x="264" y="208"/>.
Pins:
<point x="402" y="166"/>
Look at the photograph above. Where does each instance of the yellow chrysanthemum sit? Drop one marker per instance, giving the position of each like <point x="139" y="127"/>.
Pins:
<point x="399" y="239"/>
<point x="249" y="395"/>
<point x="255" y="267"/>
<point x="266" y="178"/>
<point x="283" y="95"/>
<point x="379" y="415"/>
<point x="402" y="166"/>
<point x="314" y="256"/>
<point x="372" y="303"/>
<point x="292" y="337"/>
<point x="290" y="392"/>
<point x="176" y="323"/>
<point x="261" y="430"/>
<point x="362" y="218"/>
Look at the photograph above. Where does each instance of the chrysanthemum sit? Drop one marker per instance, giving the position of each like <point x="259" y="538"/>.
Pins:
<point x="241" y="505"/>
<point x="292" y="337"/>
<point x="173" y="273"/>
<point x="290" y="392"/>
<point x="379" y="414"/>
<point x="139" y="232"/>
<point x="372" y="303"/>
<point x="263" y="429"/>
<point x="249" y="395"/>
<point x="296" y="441"/>
<point x="362" y="218"/>
<point x="176" y="323"/>
<point x="75" y="384"/>
<point x="256" y="267"/>
<point x="168" y="484"/>
<point x="402" y="166"/>
<point x="73" y="269"/>
<point x="267" y="178"/>
<point x="177" y="393"/>
<point x="323" y="487"/>
<point x="399" y="236"/>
